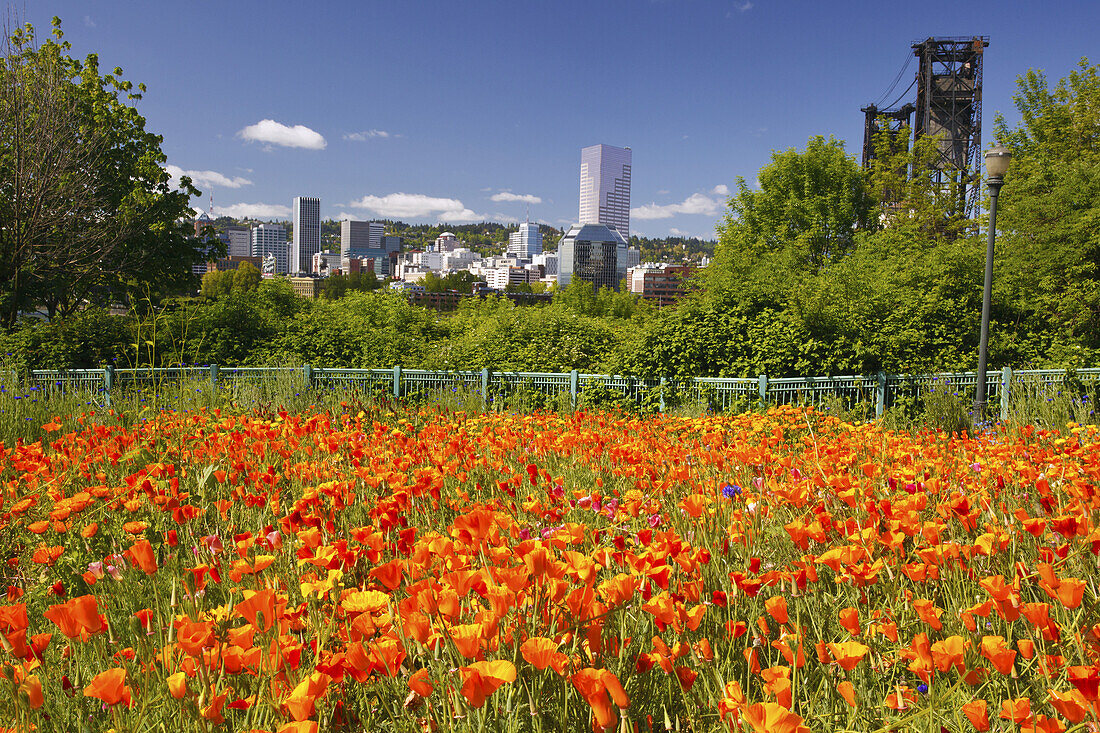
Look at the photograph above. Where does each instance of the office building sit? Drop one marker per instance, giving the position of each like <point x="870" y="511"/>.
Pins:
<point x="270" y="245"/>
<point x="527" y="242"/>
<point x="239" y="241"/>
<point x="307" y="233"/>
<point x="661" y="283"/>
<point x="605" y="187"/>
<point x="590" y="252"/>
<point x="364" y="240"/>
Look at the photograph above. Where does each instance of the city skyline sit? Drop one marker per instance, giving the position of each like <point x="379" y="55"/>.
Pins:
<point x="450" y="116"/>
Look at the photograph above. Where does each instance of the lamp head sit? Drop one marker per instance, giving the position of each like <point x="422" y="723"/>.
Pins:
<point x="996" y="161"/>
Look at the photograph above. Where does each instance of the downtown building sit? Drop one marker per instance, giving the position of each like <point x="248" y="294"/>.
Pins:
<point x="526" y="243"/>
<point x="595" y="253"/>
<point x="605" y="187"/>
<point x="307" y="233"/>
<point x="365" y="246"/>
<point x="270" y="245"/>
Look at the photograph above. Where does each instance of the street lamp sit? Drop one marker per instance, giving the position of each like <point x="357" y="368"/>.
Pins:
<point x="996" y="163"/>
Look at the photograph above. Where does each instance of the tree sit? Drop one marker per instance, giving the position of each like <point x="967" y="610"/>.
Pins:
<point x="804" y="215"/>
<point x="246" y="278"/>
<point x="902" y="183"/>
<point x="88" y="216"/>
<point x="1049" y="213"/>
<point x="217" y="284"/>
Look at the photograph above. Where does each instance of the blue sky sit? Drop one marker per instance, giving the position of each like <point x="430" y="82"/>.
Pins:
<point x="467" y="110"/>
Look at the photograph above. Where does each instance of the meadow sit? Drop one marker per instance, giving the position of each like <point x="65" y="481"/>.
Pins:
<point x="366" y="567"/>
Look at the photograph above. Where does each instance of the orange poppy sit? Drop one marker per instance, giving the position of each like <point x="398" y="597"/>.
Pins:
<point x="481" y="679"/>
<point x="76" y="616"/>
<point x="600" y="688"/>
<point x="777" y="609"/>
<point x="976" y="711"/>
<point x="1017" y="710"/>
<point x="848" y="653"/>
<point x="300" y="702"/>
<point x="997" y="652"/>
<point x="769" y="717"/>
<point x="848" y="692"/>
<point x="541" y="653"/>
<point x="110" y="687"/>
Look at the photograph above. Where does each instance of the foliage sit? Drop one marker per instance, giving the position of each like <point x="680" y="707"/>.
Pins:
<point x="88" y="213"/>
<point x="337" y="286"/>
<point x="804" y="216"/>
<point x="1049" y="213"/>
<point x="246" y="278"/>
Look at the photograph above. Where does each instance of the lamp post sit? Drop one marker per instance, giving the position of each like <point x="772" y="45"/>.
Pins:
<point x="996" y="163"/>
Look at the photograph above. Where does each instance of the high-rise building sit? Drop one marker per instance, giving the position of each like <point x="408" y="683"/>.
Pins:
<point x="269" y="243"/>
<point x="239" y="240"/>
<point x="360" y="239"/>
<point x="527" y="242"/>
<point x="307" y="233"/>
<point x="590" y="252"/>
<point x="605" y="187"/>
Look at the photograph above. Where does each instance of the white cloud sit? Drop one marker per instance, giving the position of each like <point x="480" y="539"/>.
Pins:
<point x="254" y="211"/>
<point x="677" y="232"/>
<point x="504" y="219"/>
<point x="525" y="198"/>
<point x="367" y="135"/>
<point x="720" y="190"/>
<point x="276" y="133"/>
<point x="205" y="178"/>
<point x="663" y="192"/>
<point x="88" y="22"/>
<point x="417" y="206"/>
<point x="696" y="203"/>
<point x="743" y="6"/>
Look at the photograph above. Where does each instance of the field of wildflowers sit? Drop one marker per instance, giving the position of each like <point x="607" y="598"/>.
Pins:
<point x="425" y="569"/>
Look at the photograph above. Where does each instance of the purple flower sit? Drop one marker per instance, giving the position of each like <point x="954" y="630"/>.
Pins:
<point x="731" y="491"/>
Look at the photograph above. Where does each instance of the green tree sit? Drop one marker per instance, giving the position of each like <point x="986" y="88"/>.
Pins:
<point x="217" y="284"/>
<point x="88" y="215"/>
<point x="246" y="278"/>
<point x="1049" y="212"/>
<point x="804" y="215"/>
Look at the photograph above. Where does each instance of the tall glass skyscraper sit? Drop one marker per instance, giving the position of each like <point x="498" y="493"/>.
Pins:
<point x="307" y="233"/>
<point x="605" y="187"/>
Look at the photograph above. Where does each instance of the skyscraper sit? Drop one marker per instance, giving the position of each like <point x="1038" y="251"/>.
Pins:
<point x="360" y="239"/>
<point x="605" y="187"/>
<point x="527" y="242"/>
<point x="307" y="233"/>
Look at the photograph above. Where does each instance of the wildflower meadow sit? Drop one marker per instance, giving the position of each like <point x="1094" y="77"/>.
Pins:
<point x="424" y="569"/>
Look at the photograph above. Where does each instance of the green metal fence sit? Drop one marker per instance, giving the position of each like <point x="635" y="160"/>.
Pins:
<point x="721" y="392"/>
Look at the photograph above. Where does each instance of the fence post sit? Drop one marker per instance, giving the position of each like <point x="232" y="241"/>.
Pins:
<point x="763" y="380"/>
<point x="214" y="376"/>
<point x="485" y="384"/>
<point x="880" y="394"/>
<point x="663" y="382"/>
<point x="397" y="381"/>
<point x="1006" y="391"/>
<point x="108" y="383"/>
<point x="574" y="381"/>
<point x="307" y="376"/>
